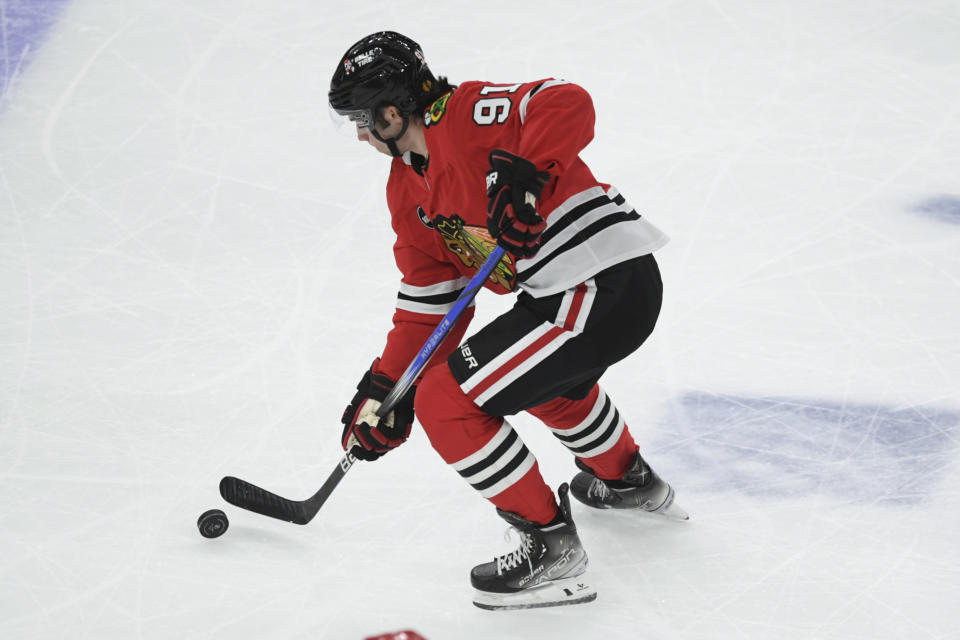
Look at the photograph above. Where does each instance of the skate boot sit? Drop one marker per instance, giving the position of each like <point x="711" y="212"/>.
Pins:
<point x="545" y="571"/>
<point x="640" y="488"/>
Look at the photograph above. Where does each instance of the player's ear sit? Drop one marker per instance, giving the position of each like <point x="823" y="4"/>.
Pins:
<point x="385" y="115"/>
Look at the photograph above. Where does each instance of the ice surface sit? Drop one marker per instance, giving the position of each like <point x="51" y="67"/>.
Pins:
<point x="23" y="23"/>
<point x="195" y="269"/>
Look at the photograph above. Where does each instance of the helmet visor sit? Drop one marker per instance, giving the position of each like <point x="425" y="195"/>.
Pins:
<point x="347" y="122"/>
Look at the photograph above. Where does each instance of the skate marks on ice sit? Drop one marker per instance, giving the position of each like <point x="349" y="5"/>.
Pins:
<point x="944" y="208"/>
<point x="792" y="447"/>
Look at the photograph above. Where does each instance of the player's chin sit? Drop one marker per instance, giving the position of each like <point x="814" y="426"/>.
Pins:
<point x="380" y="147"/>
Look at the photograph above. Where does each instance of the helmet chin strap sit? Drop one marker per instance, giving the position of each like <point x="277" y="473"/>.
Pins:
<point x="392" y="142"/>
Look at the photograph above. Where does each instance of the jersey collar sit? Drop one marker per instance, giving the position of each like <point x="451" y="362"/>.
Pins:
<point x="416" y="161"/>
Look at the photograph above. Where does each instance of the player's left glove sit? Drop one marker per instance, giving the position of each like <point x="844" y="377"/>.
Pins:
<point x="367" y="435"/>
<point x="513" y="186"/>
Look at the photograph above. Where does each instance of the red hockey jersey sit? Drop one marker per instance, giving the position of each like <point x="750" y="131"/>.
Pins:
<point x="440" y="216"/>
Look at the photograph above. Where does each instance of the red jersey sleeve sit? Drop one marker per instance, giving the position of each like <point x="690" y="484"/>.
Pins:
<point x="428" y="289"/>
<point x="556" y="123"/>
<point x="427" y="292"/>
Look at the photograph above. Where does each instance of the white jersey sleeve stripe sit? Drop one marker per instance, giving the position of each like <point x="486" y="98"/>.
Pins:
<point x="433" y="289"/>
<point x="427" y="308"/>
<point x="433" y="299"/>
<point x="537" y="89"/>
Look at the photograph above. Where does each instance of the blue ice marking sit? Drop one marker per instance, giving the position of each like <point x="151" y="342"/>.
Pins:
<point x="945" y="208"/>
<point x="792" y="447"/>
<point x="23" y="24"/>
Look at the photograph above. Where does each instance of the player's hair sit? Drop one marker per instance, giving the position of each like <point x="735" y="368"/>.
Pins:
<point x="440" y="86"/>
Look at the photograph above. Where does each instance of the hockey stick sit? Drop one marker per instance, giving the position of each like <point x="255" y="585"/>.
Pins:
<point x="245" y="495"/>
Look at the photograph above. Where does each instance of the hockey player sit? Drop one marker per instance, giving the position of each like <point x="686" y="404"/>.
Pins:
<point x="477" y="165"/>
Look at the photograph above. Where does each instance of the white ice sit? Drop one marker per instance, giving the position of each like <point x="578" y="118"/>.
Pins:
<point x="195" y="270"/>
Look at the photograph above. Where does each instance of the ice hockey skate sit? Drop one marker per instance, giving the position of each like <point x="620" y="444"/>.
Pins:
<point x="639" y="489"/>
<point x="546" y="570"/>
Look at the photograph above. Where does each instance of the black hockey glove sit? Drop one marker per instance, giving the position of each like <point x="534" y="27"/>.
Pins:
<point x="513" y="186"/>
<point x="367" y="436"/>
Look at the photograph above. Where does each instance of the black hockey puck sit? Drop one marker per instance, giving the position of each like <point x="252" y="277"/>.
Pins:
<point x="213" y="523"/>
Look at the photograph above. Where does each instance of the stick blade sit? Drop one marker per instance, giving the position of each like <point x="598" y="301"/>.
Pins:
<point x="241" y="493"/>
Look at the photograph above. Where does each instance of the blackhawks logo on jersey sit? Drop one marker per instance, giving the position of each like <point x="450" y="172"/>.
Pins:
<point x="437" y="109"/>
<point x="473" y="245"/>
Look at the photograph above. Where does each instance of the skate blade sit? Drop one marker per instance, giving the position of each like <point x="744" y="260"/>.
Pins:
<point x="674" y="512"/>
<point x="551" y="594"/>
<point x="671" y="509"/>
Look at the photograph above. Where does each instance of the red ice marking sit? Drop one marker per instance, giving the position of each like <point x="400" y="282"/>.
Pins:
<point x="398" y="635"/>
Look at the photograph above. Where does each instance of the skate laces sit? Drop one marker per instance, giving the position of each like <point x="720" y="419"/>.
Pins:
<point x="598" y="488"/>
<point x="513" y="559"/>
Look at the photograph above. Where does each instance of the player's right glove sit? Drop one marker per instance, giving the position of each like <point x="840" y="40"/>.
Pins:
<point x="366" y="435"/>
<point x="513" y="186"/>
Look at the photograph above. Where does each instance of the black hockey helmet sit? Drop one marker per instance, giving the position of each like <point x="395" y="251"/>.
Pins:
<point x="385" y="68"/>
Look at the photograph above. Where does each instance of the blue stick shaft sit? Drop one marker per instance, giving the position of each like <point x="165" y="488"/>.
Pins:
<point x="430" y="346"/>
